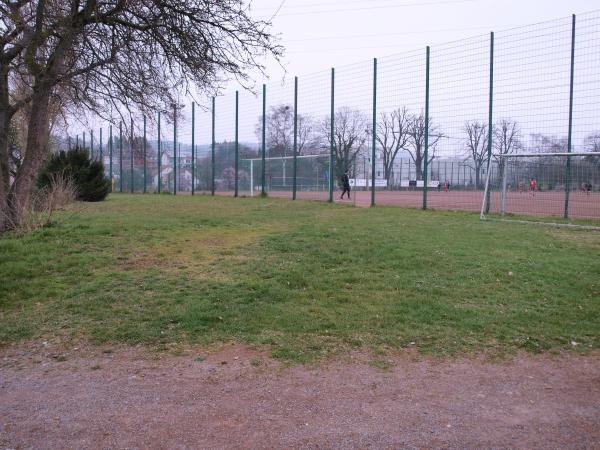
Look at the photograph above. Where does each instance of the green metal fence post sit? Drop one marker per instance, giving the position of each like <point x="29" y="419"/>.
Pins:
<point x="212" y="150"/>
<point x="101" y="151"/>
<point x="237" y="149"/>
<point x="77" y="141"/>
<point x="110" y="156"/>
<point x="83" y="135"/>
<point x="193" y="146"/>
<point x="331" y="140"/>
<point x="570" y="136"/>
<point x="145" y="159"/>
<point x="174" y="149"/>
<point x="426" y="149"/>
<point x="92" y="144"/>
<point x="264" y="139"/>
<point x="159" y="158"/>
<point x="295" y="168"/>
<point x="374" y="132"/>
<point x="490" y="121"/>
<point x="131" y="159"/>
<point x="121" y="156"/>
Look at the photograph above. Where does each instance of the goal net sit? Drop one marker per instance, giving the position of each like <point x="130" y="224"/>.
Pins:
<point x="533" y="185"/>
<point x="312" y="174"/>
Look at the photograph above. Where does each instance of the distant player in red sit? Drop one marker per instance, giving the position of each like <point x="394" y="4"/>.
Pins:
<point x="532" y="186"/>
<point x="446" y="186"/>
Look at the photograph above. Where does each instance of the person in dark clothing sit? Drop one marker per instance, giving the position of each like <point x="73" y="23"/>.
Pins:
<point x="345" y="185"/>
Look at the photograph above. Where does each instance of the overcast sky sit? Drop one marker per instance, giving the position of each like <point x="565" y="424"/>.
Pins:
<point x="531" y="78"/>
<point x="320" y="34"/>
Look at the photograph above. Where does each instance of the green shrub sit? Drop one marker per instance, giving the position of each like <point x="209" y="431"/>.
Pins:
<point x="88" y="175"/>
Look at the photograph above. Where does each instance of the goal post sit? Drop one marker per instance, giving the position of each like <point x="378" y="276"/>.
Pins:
<point x="527" y="186"/>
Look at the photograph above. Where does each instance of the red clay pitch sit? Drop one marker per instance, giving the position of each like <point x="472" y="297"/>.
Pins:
<point x="581" y="205"/>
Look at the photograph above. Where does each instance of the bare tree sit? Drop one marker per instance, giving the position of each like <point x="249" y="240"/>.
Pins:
<point x="392" y="136"/>
<point x="507" y="140"/>
<point x="507" y="137"/>
<point x="541" y="143"/>
<point x="137" y="150"/>
<point x="308" y="142"/>
<point x="476" y="143"/>
<point x="106" y="55"/>
<point x="540" y="168"/>
<point x="592" y="142"/>
<point x="416" y="141"/>
<point x="280" y="131"/>
<point x="348" y="137"/>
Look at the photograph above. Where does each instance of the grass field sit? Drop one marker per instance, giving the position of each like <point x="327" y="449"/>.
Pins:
<point x="304" y="279"/>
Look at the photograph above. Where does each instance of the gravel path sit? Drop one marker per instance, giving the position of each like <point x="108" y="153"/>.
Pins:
<point x="238" y="398"/>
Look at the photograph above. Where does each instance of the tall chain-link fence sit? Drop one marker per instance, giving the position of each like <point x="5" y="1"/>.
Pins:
<point x="426" y="129"/>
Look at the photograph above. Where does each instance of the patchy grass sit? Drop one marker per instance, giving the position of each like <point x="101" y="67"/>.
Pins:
<point x="303" y="278"/>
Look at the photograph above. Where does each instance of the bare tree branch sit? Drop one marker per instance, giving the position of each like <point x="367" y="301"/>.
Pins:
<point x="416" y="141"/>
<point x="476" y="143"/>
<point x="348" y="137"/>
<point x="392" y="136"/>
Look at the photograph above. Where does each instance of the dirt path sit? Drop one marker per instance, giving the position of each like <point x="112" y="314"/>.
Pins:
<point x="237" y="398"/>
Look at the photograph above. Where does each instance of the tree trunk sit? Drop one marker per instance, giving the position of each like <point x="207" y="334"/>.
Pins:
<point x="388" y="173"/>
<point x="501" y="163"/>
<point x="4" y="171"/>
<point x="5" y="117"/>
<point x="19" y="195"/>
<point x="419" y="166"/>
<point x="339" y="168"/>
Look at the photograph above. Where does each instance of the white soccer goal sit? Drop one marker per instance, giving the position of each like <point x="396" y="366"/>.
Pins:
<point x="312" y="173"/>
<point x="527" y="186"/>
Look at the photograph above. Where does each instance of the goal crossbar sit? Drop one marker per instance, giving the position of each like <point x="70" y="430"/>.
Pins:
<point x="278" y="158"/>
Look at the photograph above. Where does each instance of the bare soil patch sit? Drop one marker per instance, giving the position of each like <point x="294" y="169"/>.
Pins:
<point x="236" y="397"/>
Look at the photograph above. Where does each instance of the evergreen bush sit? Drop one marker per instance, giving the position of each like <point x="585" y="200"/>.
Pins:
<point x="91" y="183"/>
